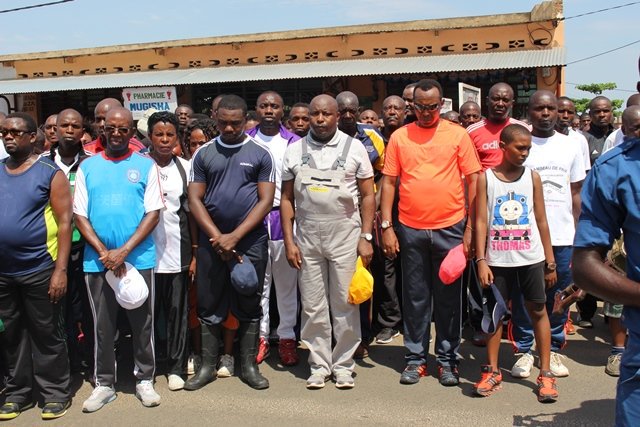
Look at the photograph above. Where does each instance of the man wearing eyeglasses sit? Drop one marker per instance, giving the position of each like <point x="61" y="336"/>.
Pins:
<point x="117" y="202"/>
<point x="35" y="219"/>
<point x="429" y="157"/>
<point x="100" y="112"/>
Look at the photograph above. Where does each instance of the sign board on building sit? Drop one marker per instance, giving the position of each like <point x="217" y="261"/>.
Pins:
<point x="138" y="100"/>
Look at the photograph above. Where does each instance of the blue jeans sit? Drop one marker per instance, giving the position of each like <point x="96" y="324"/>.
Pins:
<point x="520" y="329"/>
<point x="628" y="392"/>
<point x="421" y="253"/>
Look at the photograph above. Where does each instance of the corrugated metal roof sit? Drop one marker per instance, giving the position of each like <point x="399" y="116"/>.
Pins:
<point x="356" y="67"/>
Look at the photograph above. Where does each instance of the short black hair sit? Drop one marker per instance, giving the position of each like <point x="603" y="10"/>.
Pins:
<point x="206" y="125"/>
<point x="32" y="126"/>
<point x="598" y="98"/>
<point x="162" y="117"/>
<point x="509" y="133"/>
<point x="300" y="105"/>
<point x="428" y="84"/>
<point x="233" y="102"/>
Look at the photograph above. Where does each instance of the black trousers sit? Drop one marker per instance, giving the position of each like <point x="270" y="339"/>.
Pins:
<point x="105" y="314"/>
<point x="216" y="295"/>
<point x="33" y="344"/>
<point x="171" y="301"/>
<point x="386" y="304"/>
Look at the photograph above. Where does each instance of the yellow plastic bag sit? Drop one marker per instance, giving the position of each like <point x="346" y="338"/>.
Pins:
<point x="361" y="287"/>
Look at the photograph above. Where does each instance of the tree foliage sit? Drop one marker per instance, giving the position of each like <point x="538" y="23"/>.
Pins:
<point x="597" y="88"/>
<point x="582" y="104"/>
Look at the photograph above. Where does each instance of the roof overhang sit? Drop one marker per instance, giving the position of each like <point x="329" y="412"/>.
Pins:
<point x="356" y="67"/>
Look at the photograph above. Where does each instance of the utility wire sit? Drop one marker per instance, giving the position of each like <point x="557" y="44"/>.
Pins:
<point x="601" y="10"/>
<point x="52" y="3"/>
<point x="603" y="53"/>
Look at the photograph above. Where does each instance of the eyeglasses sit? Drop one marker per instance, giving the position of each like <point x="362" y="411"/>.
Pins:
<point x="431" y="107"/>
<point x="16" y="133"/>
<point x="121" y="130"/>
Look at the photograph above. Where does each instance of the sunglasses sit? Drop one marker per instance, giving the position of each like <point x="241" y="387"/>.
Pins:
<point x="431" y="107"/>
<point x="121" y="130"/>
<point x="16" y="133"/>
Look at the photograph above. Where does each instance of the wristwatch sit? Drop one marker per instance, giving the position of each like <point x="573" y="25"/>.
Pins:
<point x="385" y="224"/>
<point x="551" y="266"/>
<point x="367" y="236"/>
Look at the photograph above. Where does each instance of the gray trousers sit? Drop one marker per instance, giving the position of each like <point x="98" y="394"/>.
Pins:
<point x="329" y="253"/>
<point x="104" y="308"/>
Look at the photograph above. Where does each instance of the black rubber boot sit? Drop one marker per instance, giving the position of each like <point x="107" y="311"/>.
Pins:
<point x="248" y="333"/>
<point x="207" y="372"/>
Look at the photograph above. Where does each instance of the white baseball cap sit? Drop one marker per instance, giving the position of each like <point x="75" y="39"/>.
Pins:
<point x="131" y="290"/>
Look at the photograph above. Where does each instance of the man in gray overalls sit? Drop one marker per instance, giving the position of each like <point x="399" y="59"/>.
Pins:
<point x="323" y="174"/>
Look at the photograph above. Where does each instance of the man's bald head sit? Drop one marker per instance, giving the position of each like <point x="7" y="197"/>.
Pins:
<point x="323" y="110"/>
<point x="469" y="113"/>
<point x="499" y="102"/>
<point x="631" y="122"/>
<point x="100" y="113"/>
<point x="69" y="112"/>
<point x="122" y="113"/>
<point x="347" y="97"/>
<point x="106" y="105"/>
<point x="348" y="108"/>
<point x="498" y="87"/>
<point x="633" y="100"/>
<point x="540" y="94"/>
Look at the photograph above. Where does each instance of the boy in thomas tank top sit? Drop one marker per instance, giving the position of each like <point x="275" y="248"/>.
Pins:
<point x="512" y="246"/>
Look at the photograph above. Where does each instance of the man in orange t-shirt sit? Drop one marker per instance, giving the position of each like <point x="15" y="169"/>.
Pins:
<point x="430" y="158"/>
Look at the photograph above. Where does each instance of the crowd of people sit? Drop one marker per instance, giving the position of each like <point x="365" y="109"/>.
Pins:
<point x="178" y="229"/>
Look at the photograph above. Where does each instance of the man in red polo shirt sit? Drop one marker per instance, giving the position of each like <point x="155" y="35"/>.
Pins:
<point x="100" y="112"/>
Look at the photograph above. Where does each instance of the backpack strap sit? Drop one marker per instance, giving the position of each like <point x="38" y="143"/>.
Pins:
<point x="306" y="158"/>
<point x="342" y="159"/>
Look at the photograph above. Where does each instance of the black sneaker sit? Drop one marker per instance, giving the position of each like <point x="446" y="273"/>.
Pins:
<point x="54" y="410"/>
<point x="11" y="410"/>
<point x="449" y="376"/>
<point x="386" y="335"/>
<point x="412" y="373"/>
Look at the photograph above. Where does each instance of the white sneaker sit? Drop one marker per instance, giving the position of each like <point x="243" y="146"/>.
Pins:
<point x="146" y="394"/>
<point x="100" y="396"/>
<point x="175" y="382"/>
<point x="522" y="367"/>
<point x="556" y="366"/>
<point x="226" y="365"/>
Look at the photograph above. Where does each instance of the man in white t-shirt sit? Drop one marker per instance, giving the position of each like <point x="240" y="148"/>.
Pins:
<point x="560" y="164"/>
<point x="276" y="137"/>
<point x="566" y="114"/>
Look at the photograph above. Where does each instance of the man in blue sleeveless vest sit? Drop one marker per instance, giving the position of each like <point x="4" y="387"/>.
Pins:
<point x="35" y="219"/>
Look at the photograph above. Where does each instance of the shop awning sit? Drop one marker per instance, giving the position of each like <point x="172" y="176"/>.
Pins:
<point x="354" y="67"/>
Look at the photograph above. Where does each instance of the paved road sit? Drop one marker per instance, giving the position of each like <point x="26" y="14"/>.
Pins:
<point x="586" y="397"/>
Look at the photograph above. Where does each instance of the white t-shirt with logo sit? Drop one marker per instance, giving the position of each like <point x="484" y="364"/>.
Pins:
<point x="277" y="145"/>
<point x="584" y="147"/>
<point x="168" y="234"/>
<point x="559" y="162"/>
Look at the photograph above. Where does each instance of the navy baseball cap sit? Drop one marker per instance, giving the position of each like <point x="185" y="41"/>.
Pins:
<point x="494" y="309"/>
<point x="244" y="278"/>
